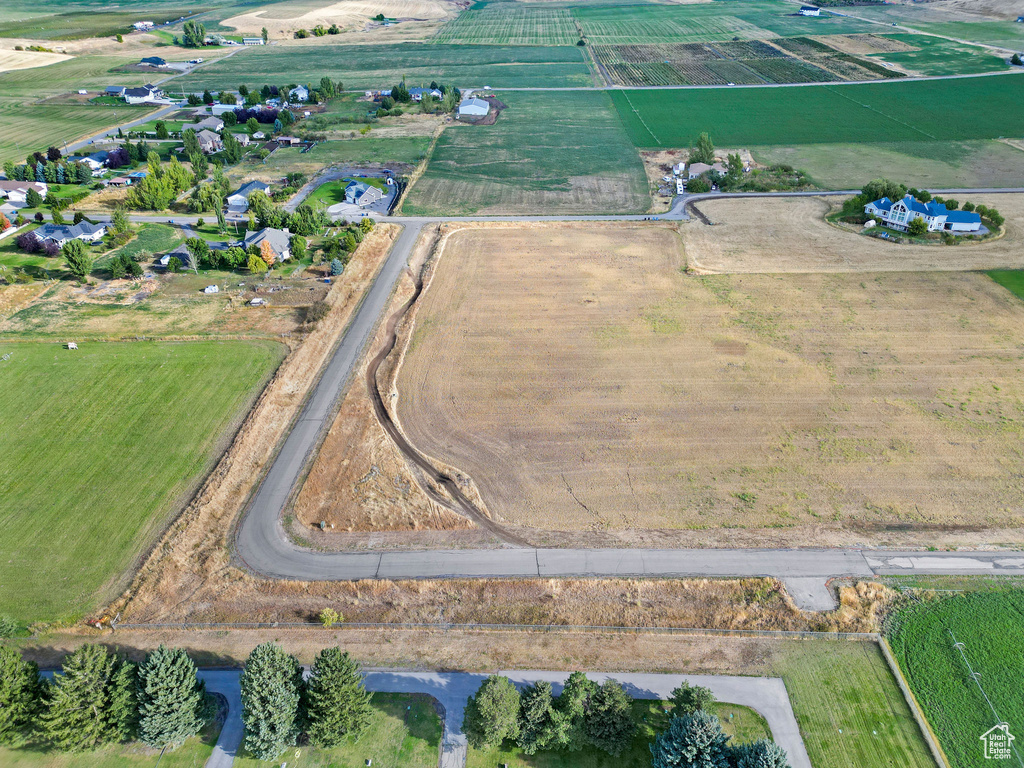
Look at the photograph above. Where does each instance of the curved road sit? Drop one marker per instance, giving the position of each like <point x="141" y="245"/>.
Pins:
<point x="264" y="547"/>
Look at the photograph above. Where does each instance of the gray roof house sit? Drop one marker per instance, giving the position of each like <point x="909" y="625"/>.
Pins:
<point x="279" y="239"/>
<point x="699" y="169"/>
<point x="474" y="107"/>
<point x="207" y="124"/>
<point x="299" y="93"/>
<point x="362" y="194"/>
<point x="114" y="90"/>
<point x="209" y="142"/>
<point x="238" y="201"/>
<point x="61" y="233"/>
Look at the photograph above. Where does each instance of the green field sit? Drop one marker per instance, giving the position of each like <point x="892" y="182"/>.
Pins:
<point x="1011" y="279"/>
<point x="404" y="731"/>
<point x="356" y="151"/>
<point x="192" y="754"/>
<point x="934" y="110"/>
<point x="990" y="625"/>
<point x="381" y="66"/>
<point x="547" y="153"/>
<point x="511" y="24"/>
<point x="848" y="706"/>
<point x="152" y="239"/>
<point x="1007" y="34"/>
<point x="924" y="164"/>
<point x="942" y="57"/>
<point x="78" y="24"/>
<point x="102" y="445"/>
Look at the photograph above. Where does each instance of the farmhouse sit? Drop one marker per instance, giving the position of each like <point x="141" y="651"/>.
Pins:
<point x="238" y="201"/>
<point x="279" y="239"/>
<point x="16" y="192"/>
<point x="145" y="94"/>
<point x="207" y="124"/>
<point x="699" y="169"/>
<point x="417" y="94"/>
<point x="153" y="61"/>
<point x="362" y="194"/>
<point x="60" y="234"/>
<point x="209" y="142"/>
<point x="810" y="10"/>
<point x="95" y="161"/>
<point x="473" y="107"/>
<point x="299" y="93"/>
<point x="900" y="213"/>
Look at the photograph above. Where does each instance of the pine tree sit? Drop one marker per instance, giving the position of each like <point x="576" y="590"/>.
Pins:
<point x="541" y="726"/>
<point x="170" y="698"/>
<point x="690" y="698"/>
<point x="337" y="704"/>
<point x="78" y="258"/>
<point x="492" y="713"/>
<point x="692" y="741"/>
<point x="609" y="721"/>
<point x="84" y="706"/>
<point x="20" y="695"/>
<point x="271" y="684"/>
<point x="572" y="703"/>
<point x="122" y="713"/>
<point x="760" y="754"/>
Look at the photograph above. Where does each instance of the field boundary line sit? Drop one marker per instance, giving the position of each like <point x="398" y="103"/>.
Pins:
<point x="922" y="722"/>
<point x="779" y="634"/>
<point x="887" y="117"/>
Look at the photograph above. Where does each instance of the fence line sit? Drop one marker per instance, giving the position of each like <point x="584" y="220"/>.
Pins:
<point x="915" y="709"/>
<point x="764" y="633"/>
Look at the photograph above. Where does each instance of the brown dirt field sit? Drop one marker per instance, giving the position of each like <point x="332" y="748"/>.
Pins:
<point x="11" y="59"/>
<point x="282" y="19"/>
<point x="588" y="385"/>
<point x="746" y="237"/>
<point x="359" y="480"/>
<point x="864" y="44"/>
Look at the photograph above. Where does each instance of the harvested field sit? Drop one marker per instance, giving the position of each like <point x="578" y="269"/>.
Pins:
<point x="745" y="237"/>
<point x="281" y="19"/>
<point x="28" y="59"/>
<point x="587" y="384"/>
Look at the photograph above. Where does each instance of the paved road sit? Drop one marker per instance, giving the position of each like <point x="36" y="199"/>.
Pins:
<point x="88" y="141"/>
<point x="768" y="696"/>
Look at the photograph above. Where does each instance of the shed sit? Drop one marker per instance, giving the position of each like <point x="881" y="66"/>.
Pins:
<point x="474" y="107"/>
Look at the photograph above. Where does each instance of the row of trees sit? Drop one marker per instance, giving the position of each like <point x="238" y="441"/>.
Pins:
<point x="318" y="31"/>
<point x="102" y="698"/>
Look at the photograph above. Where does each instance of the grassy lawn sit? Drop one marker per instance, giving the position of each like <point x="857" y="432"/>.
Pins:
<point x="922" y="164"/>
<point x="381" y="66"/>
<point x="990" y="624"/>
<point x="1011" y="279"/>
<point x="355" y="151"/>
<point x="405" y="731"/>
<point x="934" y="110"/>
<point x="651" y="719"/>
<point x="192" y="754"/>
<point x="102" y="446"/>
<point x="151" y="239"/>
<point x="547" y="153"/>
<point x="848" y="706"/>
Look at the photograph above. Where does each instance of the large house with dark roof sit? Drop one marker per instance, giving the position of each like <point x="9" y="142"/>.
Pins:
<point x="898" y="215"/>
<point x="147" y="93"/>
<point x="61" y="233"/>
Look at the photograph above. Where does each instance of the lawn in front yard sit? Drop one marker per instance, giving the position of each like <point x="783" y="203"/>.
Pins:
<point x="102" y="446"/>
<point x="651" y="718"/>
<point x="404" y="732"/>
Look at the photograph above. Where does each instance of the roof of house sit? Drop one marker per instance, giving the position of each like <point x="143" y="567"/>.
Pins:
<point x="12" y="186"/>
<point x="156" y="61"/>
<point x="279" y="239"/>
<point x="963" y="217"/>
<point x="248" y="188"/>
<point x="68" y="231"/>
<point x="146" y="90"/>
<point x="207" y="137"/>
<point x="930" y="208"/>
<point x="214" y="123"/>
<point x="704" y="167"/>
<point x="115" y="89"/>
<point x="809" y="8"/>
<point x="99" y="157"/>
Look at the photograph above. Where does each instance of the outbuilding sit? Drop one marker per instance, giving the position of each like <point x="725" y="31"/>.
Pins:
<point x="810" y="10"/>
<point x="474" y="107"/>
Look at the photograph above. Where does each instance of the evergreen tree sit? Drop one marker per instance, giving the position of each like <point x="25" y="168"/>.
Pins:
<point x="760" y="754"/>
<point x="492" y="713"/>
<point x="337" y="267"/>
<point x="20" y="693"/>
<point x="541" y="726"/>
<point x="170" y="698"/>
<point x="78" y="258"/>
<point x="191" y="142"/>
<point x="609" y="721"/>
<point x="122" y="714"/>
<point x="690" y="698"/>
<point x="692" y="741"/>
<point x="82" y="703"/>
<point x="572" y="703"/>
<point x="337" y="704"/>
<point x="703" y="151"/>
<point x="271" y="684"/>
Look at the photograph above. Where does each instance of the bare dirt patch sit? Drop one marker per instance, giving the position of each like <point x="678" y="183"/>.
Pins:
<point x="589" y="386"/>
<point x="284" y="18"/>
<point x="791" y="235"/>
<point x="865" y="44"/>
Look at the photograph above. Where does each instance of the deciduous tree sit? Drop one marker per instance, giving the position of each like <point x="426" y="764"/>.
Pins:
<point x="703" y="151"/>
<point x="492" y="713"/>
<point x="572" y="703"/>
<point x="193" y="35"/>
<point x="687" y="699"/>
<point x="78" y="258"/>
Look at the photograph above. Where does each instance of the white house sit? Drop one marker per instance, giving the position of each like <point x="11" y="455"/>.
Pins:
<point x="362" y="194"/>
<point x="238" y="201"/>
<point x="16" y="192"/>
<point x="900" y="213"/>
<point x="143" y="25"/>
<point x="145" y="94"/>
<point x="417" y="94"/>
<point x="252" y="41"/>
<point x="474" y="107"/>
<point x="96" y="161"/>
<point x="810" y="10"/>
<point x="60" y="233"/>
<point x="299" y="93"/>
